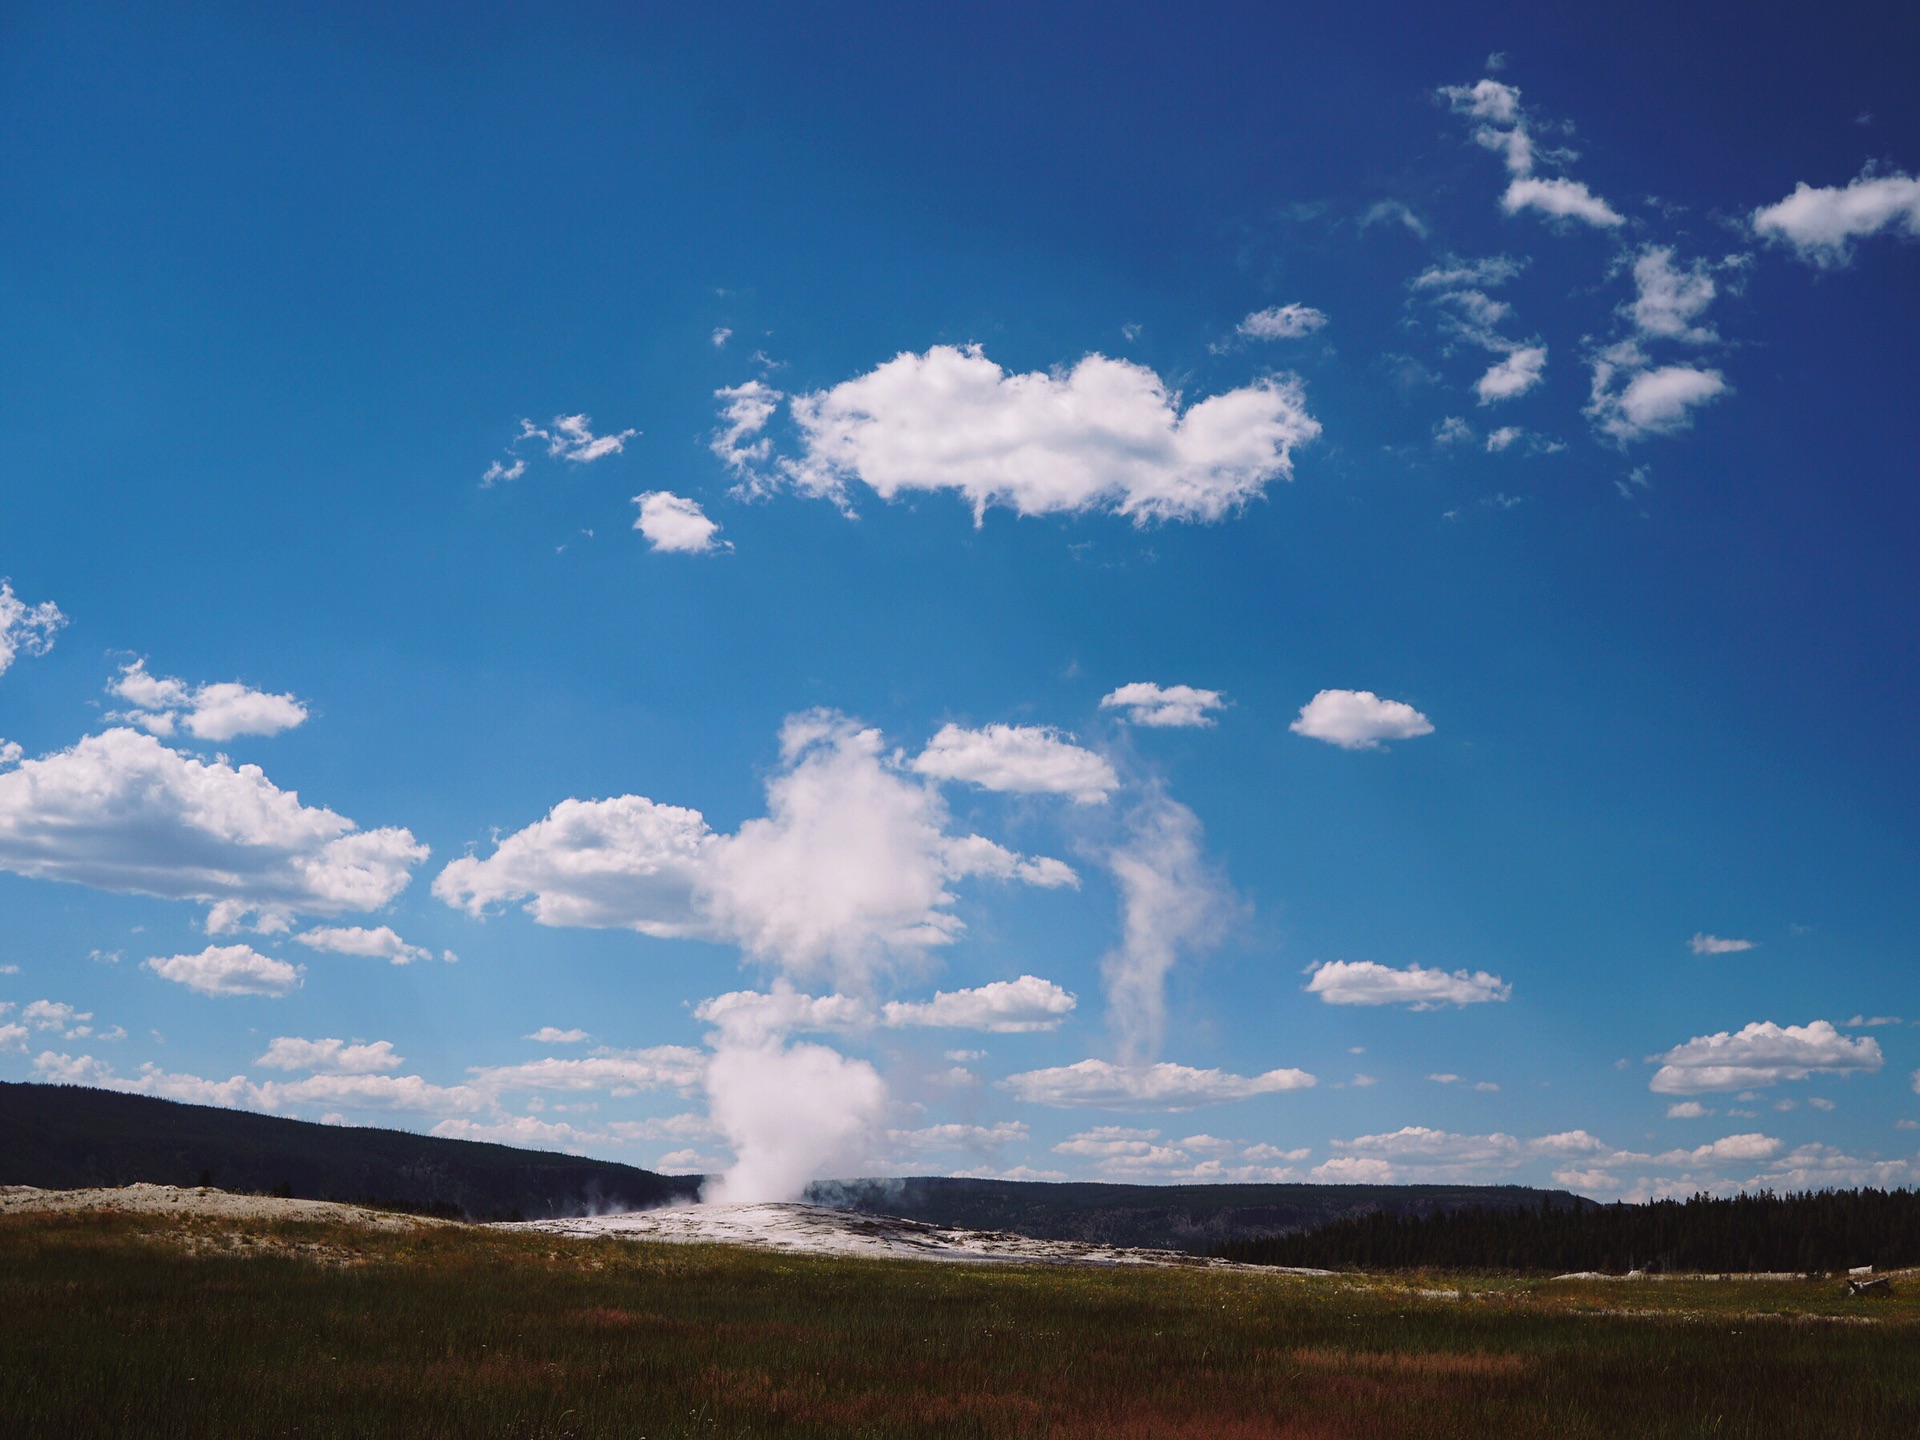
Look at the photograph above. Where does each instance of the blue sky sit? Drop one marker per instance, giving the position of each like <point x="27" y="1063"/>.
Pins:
<point x="1143" y="594"/>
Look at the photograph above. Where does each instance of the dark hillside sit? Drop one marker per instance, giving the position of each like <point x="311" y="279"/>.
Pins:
<point x="1171" y="1217"/>
<point x="62" y="1137"/>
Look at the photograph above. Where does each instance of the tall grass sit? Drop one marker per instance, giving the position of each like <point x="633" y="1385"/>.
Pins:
<point x="161" y="1327"/>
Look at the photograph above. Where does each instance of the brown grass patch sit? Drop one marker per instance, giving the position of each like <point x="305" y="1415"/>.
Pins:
<point x="1428" y="1365"/>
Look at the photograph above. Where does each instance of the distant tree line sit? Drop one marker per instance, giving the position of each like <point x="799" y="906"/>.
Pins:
<point x="1827" y="1230"/>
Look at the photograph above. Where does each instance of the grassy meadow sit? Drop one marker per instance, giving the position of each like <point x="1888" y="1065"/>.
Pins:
<point x="159" y="1326"/>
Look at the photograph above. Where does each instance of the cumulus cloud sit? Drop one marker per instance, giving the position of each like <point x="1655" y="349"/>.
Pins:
<point x="55" y="1015"/>
<point x="1761" y="1054"/>
<point x="741" y="441"/>
<point x="1821" y="224"/>
<point x="1164" y="705"/>
<point x="1669" y="300"/>
<point x="1524" y="368"/>
<point x="1164" y="1086"/>
<point x="1631" y="400"/>
<point x="1507" y="132"/>
<point x="378" y="943"/>
<point x="335" y="1057"/>
<point x="615" y="1072"/>
<point x="1705" y="944"/>
<point x="1560" y="198"/>
<point x="1003" y="1007"/>
<point x="120" y="811"/>
<point x="25" y="629"/>
<point x="1363" y="982"/>
<point x="1282" y="322"/>
<point x="1021" y="759"/>
<point x="571" y="438"/>
<point x="216" y="712"/>
<point x="1106" y="435"/>
<point x="228" y="970"/>
<point x="1172" y="901"/>
<point x="1457" y="275"/>
<point x="1359" y="720"/>
<point x="676" y="524"/>
<point x="849" y="869"/>
<point x="1415" y="1152"/>
<point x="554" y="1035"/>
<point x="1121" y="1152"/>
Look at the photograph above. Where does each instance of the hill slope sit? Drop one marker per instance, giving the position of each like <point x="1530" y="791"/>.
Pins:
<point x="67" y="1136"/>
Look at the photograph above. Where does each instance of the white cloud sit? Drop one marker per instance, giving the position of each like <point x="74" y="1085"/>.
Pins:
<point x="1002" y="1007"/>
<point x="13" y="1037"/>
<point x="56" y="1015"/>
<point x="1705" y="944"/>
<point x="1363" y="982"/>
<point x="1669" y="300"/>
<point x="1172" y="900"/>
<point x="1560" y="198"/>
<point x="25" y="629"/>
<point x="721" y="334"/>
<point x="972" y="1138"/>
<point x="1487" y="100"/>
<point x="1456" y="274"/>
<point x="228" y="970"/>
<point x="336" y="1057"/>
<point x="1282" y="322"/>
<point x="1105" y="435"/>
<point x="1650" y="401"/>
<point x="1384" y="211"/>
<point x="120" y="811"/>
<point x="1454" y="430"/>
<point x="525" y="1131"/>
<point x="1507" y="133"/>
<point x="572" y="438"/>
<point x="1762" y="1053"/>
<point x="676" y="524"/>
<point x="1163" y="1086"/>
<point x="674" y="1067"/>
<point x="849" y="869"/>
<point x="377" y="1092"/>
<point x="1359" y="720"/>
<point x="1164" y="705"/>
<point x="1687" y="1110"/>
<point x="1822" y="223"/>
<point x="741" y="443"/>
<point x="378" y="943"/>
<point x="1123" y="1153"/>
<point x="1524" y="368"/>
<point x="216" y="712"/>
<point x="1504" y="437"/>
<point x="496" y="472"/>
<point x="357" y="1091"/>
<point x="554" y="1035"/>
<point x="757" y="1016"/>
<point x="1415" y="1153"/>
<point x="1021" y="759"/>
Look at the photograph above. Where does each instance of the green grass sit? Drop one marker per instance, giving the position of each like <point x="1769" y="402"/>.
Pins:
<point x="157" y="1326"/>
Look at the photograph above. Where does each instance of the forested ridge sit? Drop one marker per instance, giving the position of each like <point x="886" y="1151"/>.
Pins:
<point x="1811" y="1231"/>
